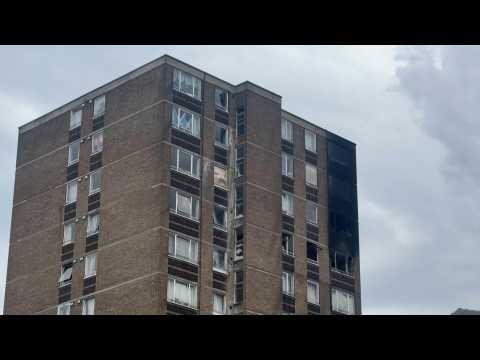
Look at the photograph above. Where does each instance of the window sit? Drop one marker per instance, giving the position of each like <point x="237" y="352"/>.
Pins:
<point x="238" y="244"/>
<point x="185" y="162"/>
<point x="287" y="283"/>
<point x="342" y="302"/>
<point x="340" y="155"/>
<point x="71" y="195"/>
<point x="220" y="176"/>
<point x="287" y="130"/>
<point x="311" y="175"/>
<point x="90" y="265"/>
<point x="186" y="121"/>
<point x="287" y="165"/>
<point x="184" y="204"/>
<point x="221" y="99"/>
<point x="312" y="292"/>
<point x="182" y="292"/>
<point x="341" y="262"/>
<point x="97" y="142"/>
<point x="99" y="106"/>
<point x="88" y="306"/>
<point x="93" y="224"/>
<point x="287" y="203"/>
<point x="240" y="122"/>
<point x="65" y="274"/>
<point x="63" y="309"/>
<point x="221" y="135"/>
<point x="218" y="304"/>
<point x="340" y="189"/>
<point x="180" y="246"/>
<point x="220" y="216"/>
<point x="219" y="260"/>
<point x="73" y="153"/>
<point x="187" y="84"/>
<point x="75" y="119"/>
<point x="312" y="210"/>
<point x="312" y="252"/>
<point x="68" y="233"/>
<point x="239" y="160"/>
<point x="287" y="243"/>
<point x="238" y="201"/>
<point x="238" y="282"/>
<point x="95" y="181"/>
<point x="310" y="141"/>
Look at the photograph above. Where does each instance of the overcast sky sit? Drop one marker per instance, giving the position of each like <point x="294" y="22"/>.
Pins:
<point x="412" y="111"/>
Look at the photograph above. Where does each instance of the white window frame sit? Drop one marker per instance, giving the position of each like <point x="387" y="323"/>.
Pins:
<point x="98" y="99"/>
<point x="287" y="130"/>
<point x="350" y="301"/>
<point x="286" y="160"/>
<point x="71" y="183"/>
<point x="97" y="134"/>
<point x="69" y="161"/>
<point x="189" y="216"/>
<point x="192" y="247"/>
<point x="190" y="285"/>
<point x="216" y="166"/>
<point x="65" y="282"/>
<point x="88" y="261"/>
<point x="314" y="136"/>
<point x="176" y="111"/>
<point x="225" y="260"/>
<point x="286" y="276"/>
<point x="224" y="303"/>
<point x="179" y="74"/>
<point x="217" y="89"/>
<point x="194" y="171"/>
<point x="72" y="116"/>
<point x="85" y="305"/>
<point x="89" y="216"/>
<point x="292" y="253"/>
<point x="72" y="236"/>
<point x="315" y="206"/>
<point x="315" y="301"/>
<point x="90" y="189"/>
<point x="288" y="195"/>
<point x="218" y="125"/>
<point x="225" y="225"/>
<point x="66" y="305"/>
<point x="313" y="170"/>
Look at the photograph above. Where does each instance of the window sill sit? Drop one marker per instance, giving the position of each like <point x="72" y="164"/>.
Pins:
<point x="98" y="115"/>
<point x="288" y="254"/>
<point x="184" y="216"/>
<point x="219" y="227"/>
<point x="290" y="141"/>
<point x="72" y="163"/>
<point x="70" y="203"/>
<point x="182" y="259"/>
<point x="95" y="153"/>
<point x="287" y="294"/>
<point x="182" y="304"/>
<point x="188" y="94"/>
<point x="187" y="132"/>
<point x="89" y="276"/>
<point x="94" y="192"/>
<point x="185" y="173"/>
<point x="221" y="187"/>
<point x="313" y="303"/>
<point x="220" y="271"/>
<point x="225" y="110"/>
<point x="94" y="233"/>
<point x="68" y="242"/>
<point x="342" y="272"/>
<point x="62" y="284"/>
<point x="221" y="145"/>
<point x="313" y="262"/>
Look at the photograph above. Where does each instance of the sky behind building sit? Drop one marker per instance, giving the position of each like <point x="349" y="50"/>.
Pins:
<point x="410" y="110"/>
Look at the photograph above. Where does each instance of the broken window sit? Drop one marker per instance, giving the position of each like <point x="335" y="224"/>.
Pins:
<point x="65" y="274"/>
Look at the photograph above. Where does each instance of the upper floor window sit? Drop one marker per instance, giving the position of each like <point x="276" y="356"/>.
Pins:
<point x="99" y="106"/>
<point x="88" y="306"/>
<point x="312" y="252"/>
<point x="95" y="181"/>
<point x="312" y="292"/>
<point x="341" y="262"/>
<point x="182" y="292"/>
<point x="185" y="162"/>
<point x="97" y="142"/>
<point x="180" y="246"/>
<point x="93" y="223"/>
<point x="187" y="84"/>
<point x="311" y="175"/>
<point x="287" y="130"/>
<point x="75" y="119"/>
<point x="218" y="304"/>
<point x="221" y="135"/>
<point x="220" y="216"/>
<point x="90" y="265"/>
<point x="184" y="204"/>
<point x="343" y="301"/>
<point x="288" y="283"/>
<point x="65" y="274"/>
<point x="238" y="283"/>
<point x="219" y="260"/>
<point x="312" y="210"/>
<point x="310" y="141"/>
<point x="238" y="200"/>
<point x="71" y="194"/>
<point x="240" y="120"/>
<point x="221" y="99"/>
<point x="73" y="153"/>
<point x="287" y="203"/>
<point x="220" y="176"/>
<point x="68" y="233"/>
<point x="239" y="160"/>
<point x="238" y="243"/>
<point x="186" y="121"/>
<point x="287" y="165"/>
<point x="287" y="243"/>
<point x="64" y="309"/>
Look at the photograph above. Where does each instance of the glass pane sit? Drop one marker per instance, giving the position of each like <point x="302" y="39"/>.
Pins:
<point x="186" y="83"/>
<point x="184" y="204"/>
<point x="219" y="216"/>
<point x="95" y="181"/>
<point x="68" y="233"/>
<point x="97" y="143"/>
<point x="218" y="302"/>
<point x="71" y="192"/>
<point x="93" y="224"/>
<point x="219" y="259"/>
<point x="220" y="176"/>
<point x="195" y="205"/>
<point x="183" y="248"/>
<point x="311" y="213"/>
<point x="221" y="98"/>
<point x="75" y="119"/>
<point x="221" y="135"/>
<point x="73" y="152"/>
<point x="185" y="120"/>
<point x="184" y="161"/>
<point x="312" y="251"/>
<point x="99" y="106"/>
